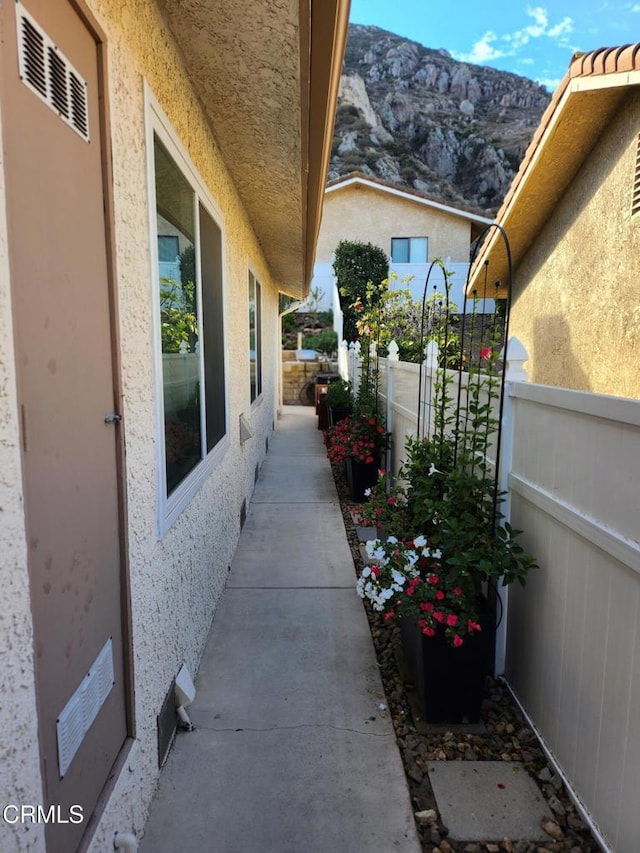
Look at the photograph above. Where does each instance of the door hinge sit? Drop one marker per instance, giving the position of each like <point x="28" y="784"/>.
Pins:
<point x="112" y="418"/>
<point x="23" y="418"/>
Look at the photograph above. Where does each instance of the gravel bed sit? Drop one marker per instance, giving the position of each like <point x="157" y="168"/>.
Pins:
<point x="506" y="736"/>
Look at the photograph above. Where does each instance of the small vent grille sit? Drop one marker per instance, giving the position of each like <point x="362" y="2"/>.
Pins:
<point x="48" y="73"/>
<point x="635" y="203"/>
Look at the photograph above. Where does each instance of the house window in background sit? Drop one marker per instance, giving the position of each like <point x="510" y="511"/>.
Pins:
<point x="255" y="337"/>
<point x="189" y="246"/>
<point x="409" y="250"/>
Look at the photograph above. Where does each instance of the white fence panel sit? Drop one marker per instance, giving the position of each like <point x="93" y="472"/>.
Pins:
<point x="573" y="643"/>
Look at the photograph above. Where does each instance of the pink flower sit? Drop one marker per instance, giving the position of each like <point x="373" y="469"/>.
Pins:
<point x="438" y="615"/>
<point x="486" y="352"/>
<point x="433" y="579"/>
<point x="452" y="619"/>
<point x="457" y="640"/>
<point x="428" y="631"/>
<point x="389" y="615"/>
<point x="473" y="626"/>
<point x="426" y="605"/>
<point x="457" y="590"/>
<point x="440" y="595"/>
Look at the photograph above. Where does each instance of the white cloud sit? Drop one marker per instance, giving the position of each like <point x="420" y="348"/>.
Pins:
<point x="635" y="7"/>
<point x="565" y="26"/>
<point x="482" y="51"/>
<point x="551" y="83"/>
<point x="491" y="46"/>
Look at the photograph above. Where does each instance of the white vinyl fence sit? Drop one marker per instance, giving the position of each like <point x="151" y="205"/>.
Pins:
<point x="571" y="649"/>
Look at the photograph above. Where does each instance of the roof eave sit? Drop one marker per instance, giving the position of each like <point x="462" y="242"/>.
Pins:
<point x="569" y="129"/>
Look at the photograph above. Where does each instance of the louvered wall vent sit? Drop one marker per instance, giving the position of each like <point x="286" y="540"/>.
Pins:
<point x="635" y="204"/>
<point x="48" y="73"/>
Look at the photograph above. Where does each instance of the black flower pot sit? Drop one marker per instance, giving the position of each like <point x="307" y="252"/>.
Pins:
<point x="449" y="680"/>
<point x="360" y="476"/>
<point x="339" y="413"/>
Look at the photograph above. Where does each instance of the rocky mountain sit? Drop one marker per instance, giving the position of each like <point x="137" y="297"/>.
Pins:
<point x="415" y="116"/>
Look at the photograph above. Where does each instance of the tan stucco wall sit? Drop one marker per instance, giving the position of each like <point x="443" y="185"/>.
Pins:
<point x="363" y="214"/>
<point x="577" y="293"/>
<point x="175" y="582"/>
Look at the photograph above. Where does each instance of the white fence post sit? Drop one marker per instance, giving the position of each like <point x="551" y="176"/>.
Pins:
<point x="343" y="360"/>
<point x="430" y="366"/>
<point x="516" y="355"/>
<point x="392" y="360"/>
<point x="354" y="366"/>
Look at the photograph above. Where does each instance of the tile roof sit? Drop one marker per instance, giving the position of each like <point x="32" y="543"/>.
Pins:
<point x="569" y="128"/>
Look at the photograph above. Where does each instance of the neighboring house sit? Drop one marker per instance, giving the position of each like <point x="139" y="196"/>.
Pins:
<point x="156" y="196"/>
<point x="410" y="227"/>
<point x="572" y="217"/>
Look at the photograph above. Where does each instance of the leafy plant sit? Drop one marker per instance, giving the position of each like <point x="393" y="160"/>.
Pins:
<point x="339" y="393"/>
<point x="450" y="545"/>
<point x="325" y="342"/>
<point x="355" y="265"/>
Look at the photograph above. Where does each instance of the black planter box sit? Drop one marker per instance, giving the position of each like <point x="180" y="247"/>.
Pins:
<point x="449" y="680"/>
<point x="338" y="413"/>
<point x="360" y="476"/>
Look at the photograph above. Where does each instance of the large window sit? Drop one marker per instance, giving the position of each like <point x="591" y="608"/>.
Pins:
<point x="190" y="300"/>
<point x="409" y="250"/>
<point x="255" y="337"/>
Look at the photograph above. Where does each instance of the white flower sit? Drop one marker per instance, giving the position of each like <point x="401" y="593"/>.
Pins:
<point x="437" y="554"/>
<point x="366" y="572"/>
<point x="412" y="557"/>
<point x="420" y="541"/>
<point x="433" y="470"/>
<point x="392" y="540"/>
<point x="398" y="577"/>
<point x="371" y="545"/>
<point x="367" y="493"/>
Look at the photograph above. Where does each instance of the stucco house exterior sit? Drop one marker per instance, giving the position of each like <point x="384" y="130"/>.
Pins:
<point x="572" y="433"/>
<point x="572" y="216"/>
<point x="410" y="227"/>
<point x="162" y="174"/>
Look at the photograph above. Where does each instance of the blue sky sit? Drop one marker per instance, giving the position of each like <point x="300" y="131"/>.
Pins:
<point x="536" y="41"/>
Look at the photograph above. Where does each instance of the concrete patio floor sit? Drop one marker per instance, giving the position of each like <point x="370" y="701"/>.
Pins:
<point x="293" y="749"/>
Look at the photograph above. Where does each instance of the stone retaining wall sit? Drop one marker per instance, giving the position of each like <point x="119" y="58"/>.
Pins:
<point x="296" y="376"/>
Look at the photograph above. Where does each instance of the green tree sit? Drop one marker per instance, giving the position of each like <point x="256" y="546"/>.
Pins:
<point x="355" y="266"/>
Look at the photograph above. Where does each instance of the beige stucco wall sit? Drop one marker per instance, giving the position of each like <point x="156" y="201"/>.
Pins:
<point x="175" y="582"/>
<point x="576" y="299"/>
<point x="359" y="213"/>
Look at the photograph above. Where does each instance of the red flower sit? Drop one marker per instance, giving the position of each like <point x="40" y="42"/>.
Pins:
<point x="389" y="615"/>
<point x="473" y="626"/>
<point x="433" y="579"/>
<point x="457" y="640"/>
<point x="486" y="352"/>
<point x="438" y="615"/>
<point x="428" y="631"/>
<point x="440" y="595"/>
<point x="426" y="605"/>
<point x="452" y="619"/>
<point x="375" y="571"/>
<point x="457" y="590"/>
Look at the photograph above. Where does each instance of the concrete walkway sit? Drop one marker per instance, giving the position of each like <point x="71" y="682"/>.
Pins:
<point x="294" y="750"/>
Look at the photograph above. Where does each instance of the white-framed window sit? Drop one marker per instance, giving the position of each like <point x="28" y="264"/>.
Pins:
<point x="409" y="250"/>
<point x="187" y="248"/>
<point x="255" y="337"/>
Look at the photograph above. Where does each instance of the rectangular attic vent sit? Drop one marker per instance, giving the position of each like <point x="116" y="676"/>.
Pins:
<point x="635" y="202"/>
<point x="50" y="75"/>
